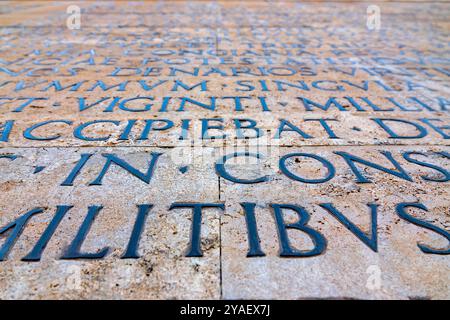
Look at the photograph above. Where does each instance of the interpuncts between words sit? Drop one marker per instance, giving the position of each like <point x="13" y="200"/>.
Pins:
<point x="12" y="231"/>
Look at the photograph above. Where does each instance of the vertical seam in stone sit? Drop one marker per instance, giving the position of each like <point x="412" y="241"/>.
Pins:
<point x="217" y="28"/>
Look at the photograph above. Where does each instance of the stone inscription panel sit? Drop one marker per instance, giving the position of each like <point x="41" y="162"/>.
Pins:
<point x="208" y="150"/>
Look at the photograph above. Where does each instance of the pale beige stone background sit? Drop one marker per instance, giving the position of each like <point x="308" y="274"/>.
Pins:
<point x="224" y="272"/>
